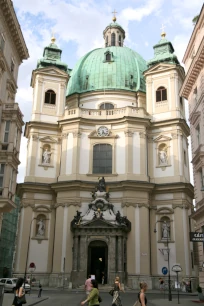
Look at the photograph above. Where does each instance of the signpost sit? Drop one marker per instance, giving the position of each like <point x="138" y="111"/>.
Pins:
<point x="32" y="268"/>
<point x="177" y="269"/>
<point x="196" y="237"/>
<point x="164" y="270"/>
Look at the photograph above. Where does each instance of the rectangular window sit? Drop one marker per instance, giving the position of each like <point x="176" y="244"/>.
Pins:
<point x="2" y="42"/>
<point x="198" y="134"/>
<point x="11" y="181"/>
<point x="6" y="132"/>
<point x="2" y="167"/>
<point x="102" y="158"/>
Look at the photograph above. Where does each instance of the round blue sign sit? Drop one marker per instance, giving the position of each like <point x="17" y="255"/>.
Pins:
<point x="164" y="270"/>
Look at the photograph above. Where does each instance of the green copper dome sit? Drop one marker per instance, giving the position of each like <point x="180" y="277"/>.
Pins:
<point x="111" y="68"/>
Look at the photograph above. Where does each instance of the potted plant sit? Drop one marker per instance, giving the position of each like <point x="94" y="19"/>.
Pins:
<point x="200" y="294"/>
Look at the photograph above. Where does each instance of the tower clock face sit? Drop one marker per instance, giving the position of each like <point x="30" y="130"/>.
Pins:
<point x="103" y="131"/>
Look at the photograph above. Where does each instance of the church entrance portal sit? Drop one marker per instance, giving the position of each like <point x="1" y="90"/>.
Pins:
<point x="98" y="260"/>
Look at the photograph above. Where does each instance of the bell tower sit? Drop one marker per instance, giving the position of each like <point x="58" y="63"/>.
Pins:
<point x="49" y="81"/>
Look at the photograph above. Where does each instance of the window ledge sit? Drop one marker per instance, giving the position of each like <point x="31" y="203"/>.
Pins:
<point x="167" y="165"/>
<point x="49" y="105"/>
<point x="46" y="166"/>
<point x="102" y="174"/>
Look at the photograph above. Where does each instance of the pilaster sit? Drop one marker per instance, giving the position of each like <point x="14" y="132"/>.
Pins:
<point x="129" y="151"/>
<point x="76" y="153"/>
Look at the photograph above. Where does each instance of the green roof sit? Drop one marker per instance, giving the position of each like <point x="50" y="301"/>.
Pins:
<point x="163" y="52"/>
<point x="123" y="72"/>
<point x="52" y="57"/>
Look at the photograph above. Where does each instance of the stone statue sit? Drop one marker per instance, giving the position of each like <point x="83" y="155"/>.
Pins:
<point x="46" y="156"/>
<point x="118" y="217"/>
<point x="101" y="185"/>
<point x="41" y="228"/>
<point x="162" y="157"/>
<point x="165" y="230"/>
<point x="77" y="218"/>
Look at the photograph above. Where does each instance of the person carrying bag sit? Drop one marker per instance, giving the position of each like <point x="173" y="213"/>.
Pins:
<point x="19" y="298"/>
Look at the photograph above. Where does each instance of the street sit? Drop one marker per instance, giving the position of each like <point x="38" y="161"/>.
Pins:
<point x="64" y="298"/>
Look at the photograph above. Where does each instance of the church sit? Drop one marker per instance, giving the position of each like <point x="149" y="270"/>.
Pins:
<point x="107" y="188"/>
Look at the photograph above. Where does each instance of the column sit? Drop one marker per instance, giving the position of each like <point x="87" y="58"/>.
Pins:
<point x="63" y="153"/>
<point x="82" y="255"/>
<point x="129" y="151"/>
<point x="120" y="254"/>
<point x="57" y="256"/>
<point x="75" y="253"/>
<point x="112" y="259"/>
<point x="76" y="153"/>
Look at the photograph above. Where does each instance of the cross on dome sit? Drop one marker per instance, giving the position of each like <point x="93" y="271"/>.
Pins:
<point x="163" y="34"/>
<point x="114" y="17"/>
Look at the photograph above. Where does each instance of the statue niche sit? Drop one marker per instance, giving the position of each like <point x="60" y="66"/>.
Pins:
<point x="162" y="155"/>
<point x="46" y="154"/>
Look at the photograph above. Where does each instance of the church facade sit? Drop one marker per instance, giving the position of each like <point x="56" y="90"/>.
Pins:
<point x="107" y="188"/>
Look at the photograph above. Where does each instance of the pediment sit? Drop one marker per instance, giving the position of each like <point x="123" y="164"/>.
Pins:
<point x="194" y="117"/>
<point x="159" y="67"/>
<point x="98" y="223"/>
<point x="48" y="139"/>
<point x="164" y="211"/>
<point x="52" y="70"/>
<point x="162" y="138"/>
<point x="42" y="208"/>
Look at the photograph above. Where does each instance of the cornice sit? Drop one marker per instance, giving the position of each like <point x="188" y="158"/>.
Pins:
<point x="193" y="72"/>
<point x="68" y="204"/>
<point x="14" y="28"/>
<point x="135" y="204"/>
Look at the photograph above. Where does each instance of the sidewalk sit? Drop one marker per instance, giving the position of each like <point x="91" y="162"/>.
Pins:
<point x="31" y="299"/>
<point x="174" y="302"/>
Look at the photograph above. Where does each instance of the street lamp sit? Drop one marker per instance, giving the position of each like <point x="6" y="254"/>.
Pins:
<point x="28" y="249"/>
<point x="168" y="251"/>
<point x="177" y="269"/>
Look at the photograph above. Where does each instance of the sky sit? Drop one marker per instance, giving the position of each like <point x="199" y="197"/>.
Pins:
<point x="78" y="27"/>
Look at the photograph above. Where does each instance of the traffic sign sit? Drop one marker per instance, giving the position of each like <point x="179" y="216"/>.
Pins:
<point x="164" y="270"/>
<point x="32" y="267"/>
<point x="176" y="268"/>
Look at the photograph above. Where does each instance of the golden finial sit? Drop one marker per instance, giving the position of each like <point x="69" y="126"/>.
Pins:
<point x="114" y="17"/>
<point x="163" y="34"/>
<point x="53" y="39"/>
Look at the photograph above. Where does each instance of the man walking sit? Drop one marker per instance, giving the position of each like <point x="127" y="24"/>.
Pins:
<point x="40" y="290"/>
<point x="88" y="286"/>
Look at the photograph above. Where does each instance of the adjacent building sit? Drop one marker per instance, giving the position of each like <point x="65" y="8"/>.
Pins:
<point x="13" y="51"/>
<point x="193" y="90"/>
<point x="107" y="184"/>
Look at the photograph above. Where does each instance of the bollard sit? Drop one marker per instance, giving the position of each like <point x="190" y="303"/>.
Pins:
<point x="1" y="294"/>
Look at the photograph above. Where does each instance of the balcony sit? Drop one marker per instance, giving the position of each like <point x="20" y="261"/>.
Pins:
<point x="103" y="114"/>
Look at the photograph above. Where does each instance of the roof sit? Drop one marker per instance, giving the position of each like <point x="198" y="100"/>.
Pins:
<point x="124" y="71"/>
<point x="114" y="25"/>
<point x="163" y="52"/>
<point x="14" y="27"/>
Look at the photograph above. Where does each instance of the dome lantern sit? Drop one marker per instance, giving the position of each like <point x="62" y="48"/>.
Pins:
<point x="114" y="34"/>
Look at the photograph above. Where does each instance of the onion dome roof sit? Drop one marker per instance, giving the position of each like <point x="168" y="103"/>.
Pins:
<point x="110" y="68"/>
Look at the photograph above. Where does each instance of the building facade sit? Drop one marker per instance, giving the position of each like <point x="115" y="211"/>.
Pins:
<point x="9" y="232"/>
<point x="12" y="52"/>
<point x="193" y="90"/>
<point x="107" y="167"/>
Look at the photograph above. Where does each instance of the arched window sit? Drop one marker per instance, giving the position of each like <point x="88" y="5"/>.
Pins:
<point x="161" y="94"/>
<point x="102" y="158"/>
<point x="50" y="97"/>
<point x="106" y="106"/>
<point x="119" y="42"/>
<point x="107" y="41"/>
<point x="113" y="39"/>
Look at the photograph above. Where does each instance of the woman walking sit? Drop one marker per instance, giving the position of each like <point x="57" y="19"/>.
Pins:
<point x="93" y="297"/>
<point x="116" y="292"/>
<point x="19" y="291"/>
<point x="141" y="295"/>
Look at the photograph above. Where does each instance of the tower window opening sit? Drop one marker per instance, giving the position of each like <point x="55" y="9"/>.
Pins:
<point x="50" y="97"/>
<point x="161" y="94"/>
<point x="119" y="42"/>
<point x="107" y="41"/>
<point x="113" y="39"/>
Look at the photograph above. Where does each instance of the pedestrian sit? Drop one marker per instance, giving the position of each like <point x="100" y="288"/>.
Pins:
<point x="19" y="292"/>
<point x="161" y="284"/>
<point x="103" y="278"/>
<point x="116" y="292"/>
<point x="40" y="290"/>
<point x="141" y="295"/>
<point x="93" y="297"/>
<point x="88" y="285"/>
